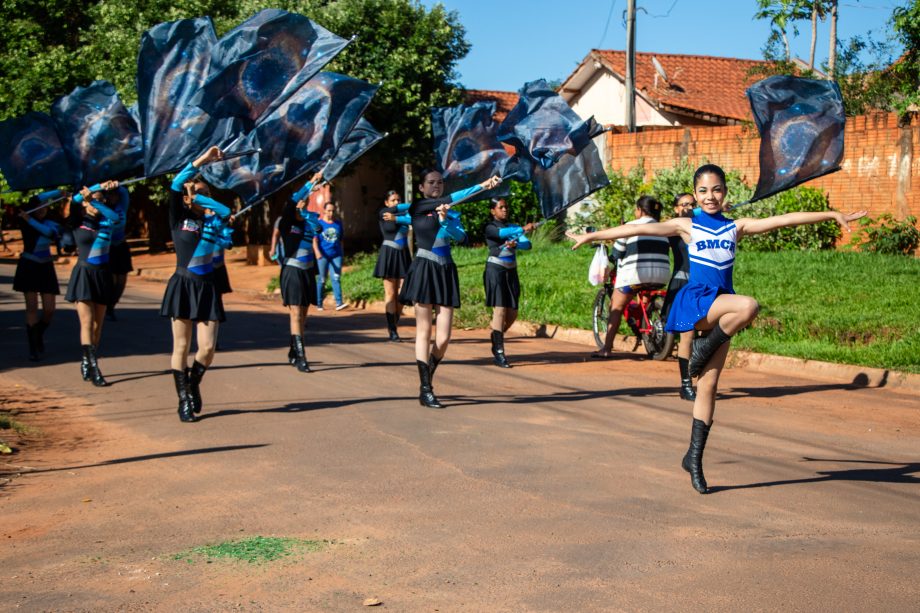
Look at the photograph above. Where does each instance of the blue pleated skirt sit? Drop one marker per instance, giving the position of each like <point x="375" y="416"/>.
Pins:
<point x="691" y="304"/>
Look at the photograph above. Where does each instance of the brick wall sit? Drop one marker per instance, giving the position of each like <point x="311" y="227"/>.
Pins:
<point x="880" y="159"/>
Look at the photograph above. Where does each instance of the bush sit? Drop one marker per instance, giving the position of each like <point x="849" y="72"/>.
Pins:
<point x="812" y="237"/>
<point x="887" y="235"/>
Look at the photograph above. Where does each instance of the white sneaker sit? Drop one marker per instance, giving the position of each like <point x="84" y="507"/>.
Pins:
<point x="339" y="307"/>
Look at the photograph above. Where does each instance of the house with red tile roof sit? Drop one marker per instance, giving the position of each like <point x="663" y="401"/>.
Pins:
<point x="504" y="101"/>
<point x="671" y="89"/>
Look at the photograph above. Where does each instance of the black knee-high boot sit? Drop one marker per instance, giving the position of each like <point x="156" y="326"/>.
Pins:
<point x="300" y="355"/>
<point x="32" y="334"/>
<point x="84" y="363"/>
<point x="292" y="355"/>
<point x="426" y="395"/>
<point x="693" y="459"/>
<point x="391" y="327"/>
<point x="186" y="406"/>
<point x="498" y="349"/>
<point x="433" y="364"/>
<point x="686" y="382"/>
<point x="704" y="348"/>
<point x="94" y="374"/>
<point x="40" y="328"/>
<point x="195" y="374"/>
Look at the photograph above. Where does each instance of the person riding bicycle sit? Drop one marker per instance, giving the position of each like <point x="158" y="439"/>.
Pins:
<point x="642" y="262"/>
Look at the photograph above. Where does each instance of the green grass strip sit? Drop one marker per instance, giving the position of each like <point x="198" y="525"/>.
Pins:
<point x="852" y="308"/>
<point x="255" y="550"/>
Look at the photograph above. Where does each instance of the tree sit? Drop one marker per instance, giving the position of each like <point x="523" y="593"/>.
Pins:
<point x="782" y="15"/>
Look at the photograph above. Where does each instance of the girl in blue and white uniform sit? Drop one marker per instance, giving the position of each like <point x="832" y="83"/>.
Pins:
<point x="432" y="280"/>
<point x="393" y="257"/>
<point x="708" y="301"/>
<point x="35" y="274"/>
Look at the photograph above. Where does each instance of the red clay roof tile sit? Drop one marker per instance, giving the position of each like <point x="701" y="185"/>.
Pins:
<point x="504" y="101"/>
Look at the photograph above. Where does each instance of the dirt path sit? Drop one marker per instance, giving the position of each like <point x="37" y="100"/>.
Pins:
<point x="552" y="486"/>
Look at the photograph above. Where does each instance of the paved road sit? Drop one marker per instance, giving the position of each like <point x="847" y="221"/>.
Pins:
<point x="554" y="486"/>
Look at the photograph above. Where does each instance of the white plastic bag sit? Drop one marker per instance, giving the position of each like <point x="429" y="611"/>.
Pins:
<point x="597" y="273"/>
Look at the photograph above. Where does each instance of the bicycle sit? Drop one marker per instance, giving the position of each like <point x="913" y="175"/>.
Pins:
<point x="642" y="315"/>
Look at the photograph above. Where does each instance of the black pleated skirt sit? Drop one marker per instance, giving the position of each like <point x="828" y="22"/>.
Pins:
<point x="34" y="276"/>
<point x="503" y="288"/>
<point x="673" y="287"/>
<point x="429" y="282"/>
<point x="392" y="263"/>
<point x="298" y="286"/>
<point x="189" y="296"/>
<point x="120" y="259"/>
<point x="222" y="280"/>
<point x="89" y="283"/>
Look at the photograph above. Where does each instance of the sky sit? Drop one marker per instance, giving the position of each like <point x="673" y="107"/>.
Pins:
<point x="515" y="41"/>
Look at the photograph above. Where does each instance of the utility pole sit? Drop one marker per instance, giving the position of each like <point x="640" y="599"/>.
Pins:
<point x="631" y="65"/>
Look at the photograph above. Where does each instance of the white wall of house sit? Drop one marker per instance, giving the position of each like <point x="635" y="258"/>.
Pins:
<point x="604" y="96"/>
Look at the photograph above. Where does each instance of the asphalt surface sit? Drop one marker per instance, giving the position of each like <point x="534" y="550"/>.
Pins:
<point x="553" y="486"/>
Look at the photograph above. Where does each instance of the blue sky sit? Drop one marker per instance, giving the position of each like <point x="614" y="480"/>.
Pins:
<point x="515" y="41"/>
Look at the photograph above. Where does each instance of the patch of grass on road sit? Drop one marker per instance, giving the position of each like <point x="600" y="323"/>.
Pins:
<point x="255" y="550"/>
<point x="852" y="308"/>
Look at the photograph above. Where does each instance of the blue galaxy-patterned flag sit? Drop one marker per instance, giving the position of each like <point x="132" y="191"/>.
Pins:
<point x="172" y="66"/>
<point x="542" y="127"/>
<point x="570" y="179"/>
<point x="358" y="142"/>
<point x="298" y="137"/>
<point x="31" y="153"/>
<point x="99" y="136"/>
<point x="257" y="65"/>
<point x="466" y="147"/>
<point x="801" y="125"/>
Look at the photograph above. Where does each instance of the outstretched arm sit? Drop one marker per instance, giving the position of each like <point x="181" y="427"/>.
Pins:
<point x="678" y="226"/>
<point x="759" y="226"/>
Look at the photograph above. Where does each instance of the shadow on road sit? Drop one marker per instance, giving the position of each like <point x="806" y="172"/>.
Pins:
<point x="899" y="472"/>
<point x="302" y="407"/>
<point x="139" y="458"/>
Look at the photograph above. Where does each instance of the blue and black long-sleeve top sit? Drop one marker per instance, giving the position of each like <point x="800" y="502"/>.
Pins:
<point x="39" y="235"/>
<point x="195" y="240"/>
<point x="395" y="233"/>
<point x="433" y="236"/>
<point x="92" y="233"/>
<point x="298" y="228"/>
<point x="503" y="240"/>
<point x="120" y="207"/>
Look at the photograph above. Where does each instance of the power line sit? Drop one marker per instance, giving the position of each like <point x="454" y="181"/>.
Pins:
<point x="668" y="14"/>
<point x="607" y="24"/>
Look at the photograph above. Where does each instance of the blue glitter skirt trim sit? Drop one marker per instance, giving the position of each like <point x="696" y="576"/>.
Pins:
<point x="691" y="304"/>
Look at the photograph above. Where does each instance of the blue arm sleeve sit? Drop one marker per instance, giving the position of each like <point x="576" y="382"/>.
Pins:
<point x="184" y="175"/>
<point x="78" y="197"/>
<point x="402" y="207"/>
<point x="212" y="205"/>
<point x="697" y="210"/>
<point x="43" y="228"/>
<point x="49" y="195"/>
<point x="454" y="228"/>
<point x="404" y="220"/>
<point x="313" y="219"/>
<point x="124" y="198"/>
<point x="302" y="193"/>
<point x="463" y="193"/>
<point x="510" y="232"/>
<point x="108" y="213"/>
<point x="523" y="243"/>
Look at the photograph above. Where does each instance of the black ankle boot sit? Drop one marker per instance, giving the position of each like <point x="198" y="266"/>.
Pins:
<point x="686" y="383"/>
<point x="704" y="348"/>
<point x="300" y="355"/>
<point x="95" y="375"/>
<point x="186" y="406"/>
<point x="391" y="327"/>
<point x="426" y="395"/>
<point x="40" y="328"/>
<point x="292" y="355"/>
<point x="195" y="374"/>
<point x="84" y="363"/>
<point x="498" y="349"/>
<point x="32" y="333"/>
<point x="693" y="459"/>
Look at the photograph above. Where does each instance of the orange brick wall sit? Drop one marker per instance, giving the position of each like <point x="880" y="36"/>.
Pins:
<point x="880" y="159"/>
